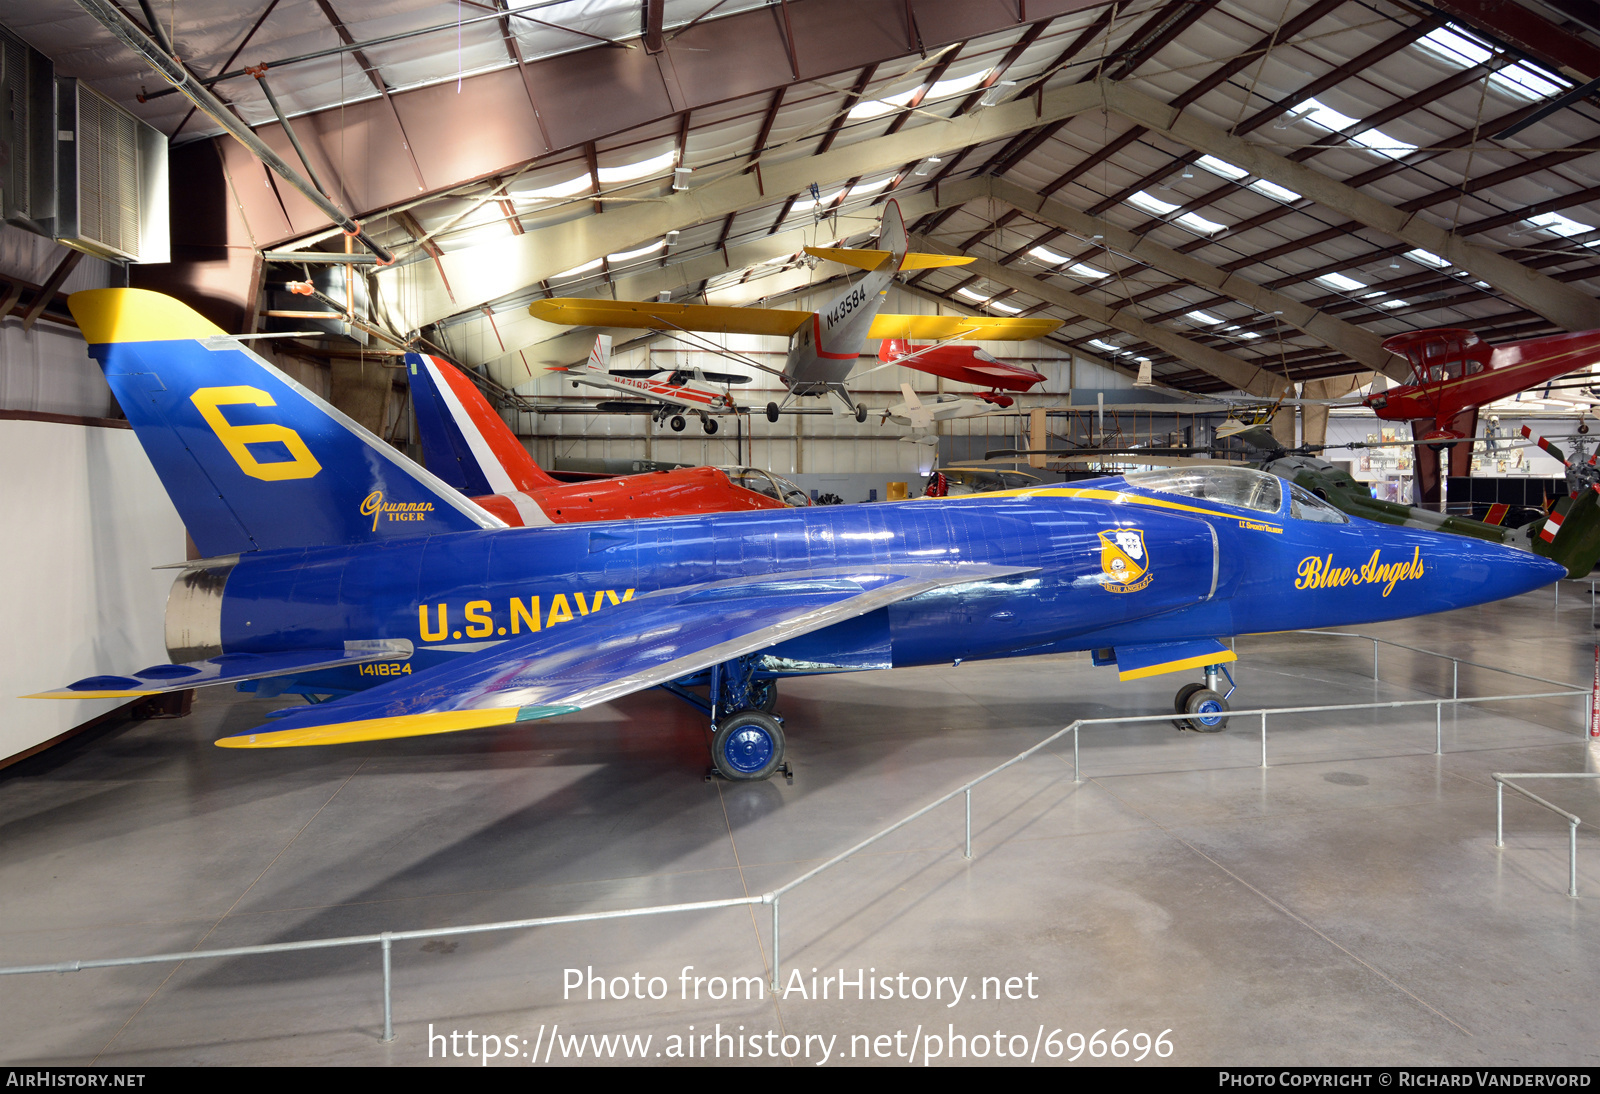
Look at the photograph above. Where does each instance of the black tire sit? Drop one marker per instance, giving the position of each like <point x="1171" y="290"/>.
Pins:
<point x="708" y="424"/>
<point x="1207" y="711"/>
<point x="764" y="694"/>
<point x="772" y="412"/>
<point x="861" y="413"/>
<point x="677" y="423"/>
<point x="748" y="746"/>
<point x="1181" y="700"/>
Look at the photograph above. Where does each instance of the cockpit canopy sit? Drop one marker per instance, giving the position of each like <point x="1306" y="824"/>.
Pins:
<point x="1242" y="487"/>
<point x="1443" y="353"/>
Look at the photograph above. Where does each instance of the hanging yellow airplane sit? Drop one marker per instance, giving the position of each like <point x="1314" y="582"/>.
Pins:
<point x="823" y="345"/>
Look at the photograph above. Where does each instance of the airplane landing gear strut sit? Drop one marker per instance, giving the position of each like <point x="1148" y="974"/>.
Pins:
<point x="1205" y="704"/>
<point x="747" y="744"/>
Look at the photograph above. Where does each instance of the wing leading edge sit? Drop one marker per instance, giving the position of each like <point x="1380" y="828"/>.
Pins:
<point x="629" y="647"/>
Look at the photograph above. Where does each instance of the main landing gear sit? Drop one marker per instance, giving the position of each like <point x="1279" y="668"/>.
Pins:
<point x="747" y="742"/>
<point x="1206" y="705"/>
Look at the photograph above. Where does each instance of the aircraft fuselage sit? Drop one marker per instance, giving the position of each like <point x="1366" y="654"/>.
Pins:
<point x="1207" y="571"/>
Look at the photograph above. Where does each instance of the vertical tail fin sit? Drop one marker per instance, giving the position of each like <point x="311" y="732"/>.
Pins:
<point x="600" y="355"/>
<point x="464" y="441"/>
<point x="252" y="460"/>
<point x="892" y="231"/>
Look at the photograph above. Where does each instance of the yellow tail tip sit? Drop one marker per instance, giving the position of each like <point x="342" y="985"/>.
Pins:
<point x="136" y="315"/>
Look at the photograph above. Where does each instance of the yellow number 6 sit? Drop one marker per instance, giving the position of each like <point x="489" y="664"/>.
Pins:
<point x="236" y="438"/>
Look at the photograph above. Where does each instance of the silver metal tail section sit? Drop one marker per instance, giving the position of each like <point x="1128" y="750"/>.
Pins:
<point x="822" y="353"/>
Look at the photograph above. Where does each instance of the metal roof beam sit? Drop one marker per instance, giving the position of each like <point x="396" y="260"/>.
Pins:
<point x="1235" y="371"/>
<point x="1561" y="304"/>
<point x="1359" y="345"/>
<point x="488" y="272"/>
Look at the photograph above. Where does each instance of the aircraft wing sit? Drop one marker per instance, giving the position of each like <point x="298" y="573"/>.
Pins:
<point x="628" y="647"/>
<point x="650" y="315"/>
<point x="228" y="668"/>
<point x="944" y="327"/>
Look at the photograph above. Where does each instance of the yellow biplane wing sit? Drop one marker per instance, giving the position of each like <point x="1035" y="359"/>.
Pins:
<point x="650" y="315"/>
<point x="971" y="327"/>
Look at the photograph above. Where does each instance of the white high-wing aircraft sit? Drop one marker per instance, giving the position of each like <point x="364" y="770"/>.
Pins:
<point x="823" y="345"/>
<point x="919" y="415"/>
<point x="674" y="393"/>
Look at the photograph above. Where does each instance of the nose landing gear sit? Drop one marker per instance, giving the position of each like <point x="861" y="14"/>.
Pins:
<point x="1205" y="705"/>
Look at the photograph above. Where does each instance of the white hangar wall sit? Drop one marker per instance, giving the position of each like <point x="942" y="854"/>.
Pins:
<point x="85" y="519"/>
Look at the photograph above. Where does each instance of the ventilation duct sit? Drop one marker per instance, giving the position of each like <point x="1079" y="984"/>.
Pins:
<point x="27" y="134"/>
<point x="112" y="195"/>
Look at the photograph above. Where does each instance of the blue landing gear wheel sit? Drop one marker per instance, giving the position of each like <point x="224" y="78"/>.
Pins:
<point x="764" y="695"/>
<point x="747" y="746"/>
<point x="1207" y="711"/>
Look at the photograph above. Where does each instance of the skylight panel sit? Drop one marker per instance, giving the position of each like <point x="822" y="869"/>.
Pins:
<point x="1394" y="302"/>
<point x="1559" y="225"/>
<point x="1235" y="330"/>
<point x="870" y="187"/>
<point x="1273" y="190"/>
<point x="1150" y="204"/>
<point x="580" y="185"/>
<point x="1373" y="140"/>
<point x="643" y="169"/>
<point x="1007" y="308"/>
<point x="956" y="86"/>
<point x="1223" y="168"/>
<point x="1086" y="271"/>
<point x="576" y="270"/>
<point x="970" y="295"/>
<point x="624" y="256"/>
<point x="1204" y="317"/>
<point x="1107" y="346"/>
<point x="1198" y="223"/>
<point x="1523" y="80"/>
<point x="884" y="104"/>
<point x="1045" y="254"/>
<point x="1427" y="258"/>
<point x="1340" y="281"/>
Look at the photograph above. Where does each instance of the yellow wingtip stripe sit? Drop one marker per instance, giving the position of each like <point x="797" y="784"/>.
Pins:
<point x="1178" y="666"/>
<point x="136" y="315"/>
<point x="374" y="729"/>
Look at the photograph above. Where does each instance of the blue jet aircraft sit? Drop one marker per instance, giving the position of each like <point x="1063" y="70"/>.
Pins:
<point x="337" y="567"/>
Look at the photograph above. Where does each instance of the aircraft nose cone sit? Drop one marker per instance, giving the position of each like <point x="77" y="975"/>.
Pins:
<point x="1499" y="572"/>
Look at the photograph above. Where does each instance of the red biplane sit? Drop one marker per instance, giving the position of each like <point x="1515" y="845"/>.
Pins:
<point x="967" y="364"/>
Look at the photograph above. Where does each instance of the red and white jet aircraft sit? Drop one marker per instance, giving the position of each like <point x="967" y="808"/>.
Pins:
<point x="470" y="447"/>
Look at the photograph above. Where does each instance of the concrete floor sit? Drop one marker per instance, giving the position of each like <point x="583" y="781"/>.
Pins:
<point x="1346" y="905"/>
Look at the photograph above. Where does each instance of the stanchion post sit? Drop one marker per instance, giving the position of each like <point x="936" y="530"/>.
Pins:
<point x="1076" y="777"/>
<point x="1263" y="738"/>
<point x="774" y="984"/>
<point x="388" y="1009"/>
<point x="1438" y="728"/>
<point x="1572" y="858"/>
<point x="1499" y="813"/>
<point x="1374" y="660"/>
<point x="1455" y="678"/>
<point x="969" y="821"/>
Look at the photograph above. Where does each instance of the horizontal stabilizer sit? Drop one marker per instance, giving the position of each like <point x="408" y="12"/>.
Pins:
<point x="228" y="668"/>
<point x="1138" y="662"/>
<point x="652" y="315"/>
<point x="638" y="644"/>
<point x="851" y="256"/>
<point x="915" y="261"/>
<point x="971" y="327"/>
